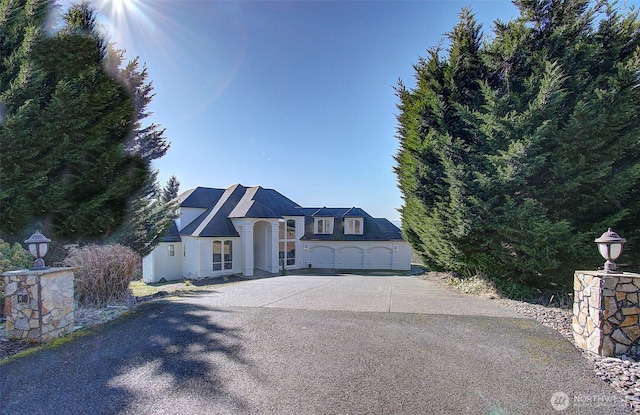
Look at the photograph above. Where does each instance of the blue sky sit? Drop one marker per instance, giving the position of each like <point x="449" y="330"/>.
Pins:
<point x="291" y="95"/>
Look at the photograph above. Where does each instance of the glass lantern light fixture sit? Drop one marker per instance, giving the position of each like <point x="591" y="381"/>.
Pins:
<point x="38" y="245"/>
<point x="610" y="247"/>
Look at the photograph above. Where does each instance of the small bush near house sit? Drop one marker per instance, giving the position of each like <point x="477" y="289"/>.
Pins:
<point x="104" y="273"/>
<point x="12" y="258"/>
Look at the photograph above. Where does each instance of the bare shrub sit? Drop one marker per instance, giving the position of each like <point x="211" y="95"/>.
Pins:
<point x="478" y="284"/>
<point x="104" y="273"/>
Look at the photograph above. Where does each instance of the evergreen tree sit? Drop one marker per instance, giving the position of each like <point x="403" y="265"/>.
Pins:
<point x="148" y="218"/>
<point x="146" y="141"/>
<point x="171" y="190"/>
<point x="63" y="138"/>
<point x="512" y="165"/>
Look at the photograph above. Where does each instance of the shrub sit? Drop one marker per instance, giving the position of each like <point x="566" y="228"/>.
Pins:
<point x="104" y="273"/>
<point x="478" y="284"/>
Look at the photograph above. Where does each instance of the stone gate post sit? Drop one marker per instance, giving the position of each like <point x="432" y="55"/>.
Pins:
<point x="39" y="304"/>
<point x="606" y="311"/>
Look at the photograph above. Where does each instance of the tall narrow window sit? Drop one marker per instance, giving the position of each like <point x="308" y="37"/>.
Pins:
<point x="217" y="255"/>
<point x="228" y="255"/>
<point x="287" y="243"/>
<point x="291" y="253"/>
<point x="172" y="250"/>
<point x="291" y="229"/>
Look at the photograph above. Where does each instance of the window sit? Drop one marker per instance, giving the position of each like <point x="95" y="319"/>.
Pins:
<point x="228" y="255"/>
<point x="172" y="250"/>
<point x="324" y="226"/>
<point x="287" y="244"/>
<point x="222" y="255"/>
<point x="353" y="226"/>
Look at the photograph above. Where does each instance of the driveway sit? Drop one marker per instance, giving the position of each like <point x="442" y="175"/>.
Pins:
<point x="347" y="292"/>
<point x="312" y="345"/>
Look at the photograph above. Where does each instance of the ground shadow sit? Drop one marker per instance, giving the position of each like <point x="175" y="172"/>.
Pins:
<point x="163" y="347"/>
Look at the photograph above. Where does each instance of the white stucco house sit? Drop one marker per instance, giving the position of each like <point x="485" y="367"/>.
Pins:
<point x="243" y="229"/>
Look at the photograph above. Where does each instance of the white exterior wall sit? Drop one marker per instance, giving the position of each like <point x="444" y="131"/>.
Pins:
<point x="198" y="262"/>
<point x="158" y="264"/>
<point x="191" y="257"/>
<point x="392" y="255"/>
<point x="402" y="256"/>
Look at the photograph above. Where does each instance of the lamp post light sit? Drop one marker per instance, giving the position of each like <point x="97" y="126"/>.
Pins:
<point x="610" y="247"/>
<point x="38" y="245"/>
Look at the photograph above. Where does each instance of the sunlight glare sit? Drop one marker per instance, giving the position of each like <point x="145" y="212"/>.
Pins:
<point x="167" y="32"/>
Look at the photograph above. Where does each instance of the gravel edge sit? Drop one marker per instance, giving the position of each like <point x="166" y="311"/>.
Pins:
<point x="622" y="373"/>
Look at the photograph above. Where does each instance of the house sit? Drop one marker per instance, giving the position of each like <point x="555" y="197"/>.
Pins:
<point x="243" y="229"/>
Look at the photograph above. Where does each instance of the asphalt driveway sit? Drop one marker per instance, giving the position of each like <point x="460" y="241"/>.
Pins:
<point x="312" y="345"/>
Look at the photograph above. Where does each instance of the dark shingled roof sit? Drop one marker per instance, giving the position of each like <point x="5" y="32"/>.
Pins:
<point x="217" y="223"/>
<point x="172" y="234"/>
<point x="259" y="202"/>
<point x="374" y="229"/>
<point x="200" y="197"/>
<point x="354" y="212"/>
<point x="323" y="212"/>
<point x="221" y="205"/>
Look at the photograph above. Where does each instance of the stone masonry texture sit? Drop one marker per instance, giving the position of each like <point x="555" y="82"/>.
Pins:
<point x="39" y="304"/>
<point x="606" y="312"/>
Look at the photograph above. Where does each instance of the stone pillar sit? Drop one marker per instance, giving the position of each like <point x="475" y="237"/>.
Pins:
<point x="39" y="304"/>
<point x="606" y="312"/>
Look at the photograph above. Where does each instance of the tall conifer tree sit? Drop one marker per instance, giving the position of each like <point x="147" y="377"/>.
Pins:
<point x="513" y="163"/>
<point x="63" y="160"/>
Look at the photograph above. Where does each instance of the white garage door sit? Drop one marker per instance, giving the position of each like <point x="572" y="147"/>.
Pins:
<point x="379" y="258"/>
<point x="350" y="258"/>
<point x="322" y="257"/>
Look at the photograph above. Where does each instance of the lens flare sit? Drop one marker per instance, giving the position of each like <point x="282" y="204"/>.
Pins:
<point x="202" y="40"/>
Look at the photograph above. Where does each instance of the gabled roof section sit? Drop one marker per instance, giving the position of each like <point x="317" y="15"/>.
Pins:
<point x="200" y="197"/>
<point x="215" y="220"/>
<point x="259" y="202"/>
<point x="258" y="210"/>
<point x="354" y="212"/>
<point x="323" y="212"/>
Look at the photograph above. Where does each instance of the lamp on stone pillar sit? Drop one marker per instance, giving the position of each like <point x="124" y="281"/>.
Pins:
<point x="38" y="245"/>
<point x="610" y="247"/>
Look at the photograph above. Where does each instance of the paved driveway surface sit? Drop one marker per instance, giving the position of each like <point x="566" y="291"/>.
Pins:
<point x="348" y="292"/>
<point x="312" y="345"/>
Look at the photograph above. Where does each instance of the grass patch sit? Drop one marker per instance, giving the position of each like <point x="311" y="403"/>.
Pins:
<point x="58" y="342"/>
<point x="141" y="289"/>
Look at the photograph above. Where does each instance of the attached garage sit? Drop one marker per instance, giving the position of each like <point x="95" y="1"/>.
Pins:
<point x="379" y="258"/>
<point x="350" y="258"/>
<point x="322" y="257"/>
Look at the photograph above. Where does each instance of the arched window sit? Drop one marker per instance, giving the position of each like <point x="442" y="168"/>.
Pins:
<point x="323" y="226"/>
<point x="353" y="226"/>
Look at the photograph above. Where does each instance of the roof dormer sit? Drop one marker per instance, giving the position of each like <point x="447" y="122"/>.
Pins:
<point x="354" y="221"/>
<point x="323" y="221"/>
